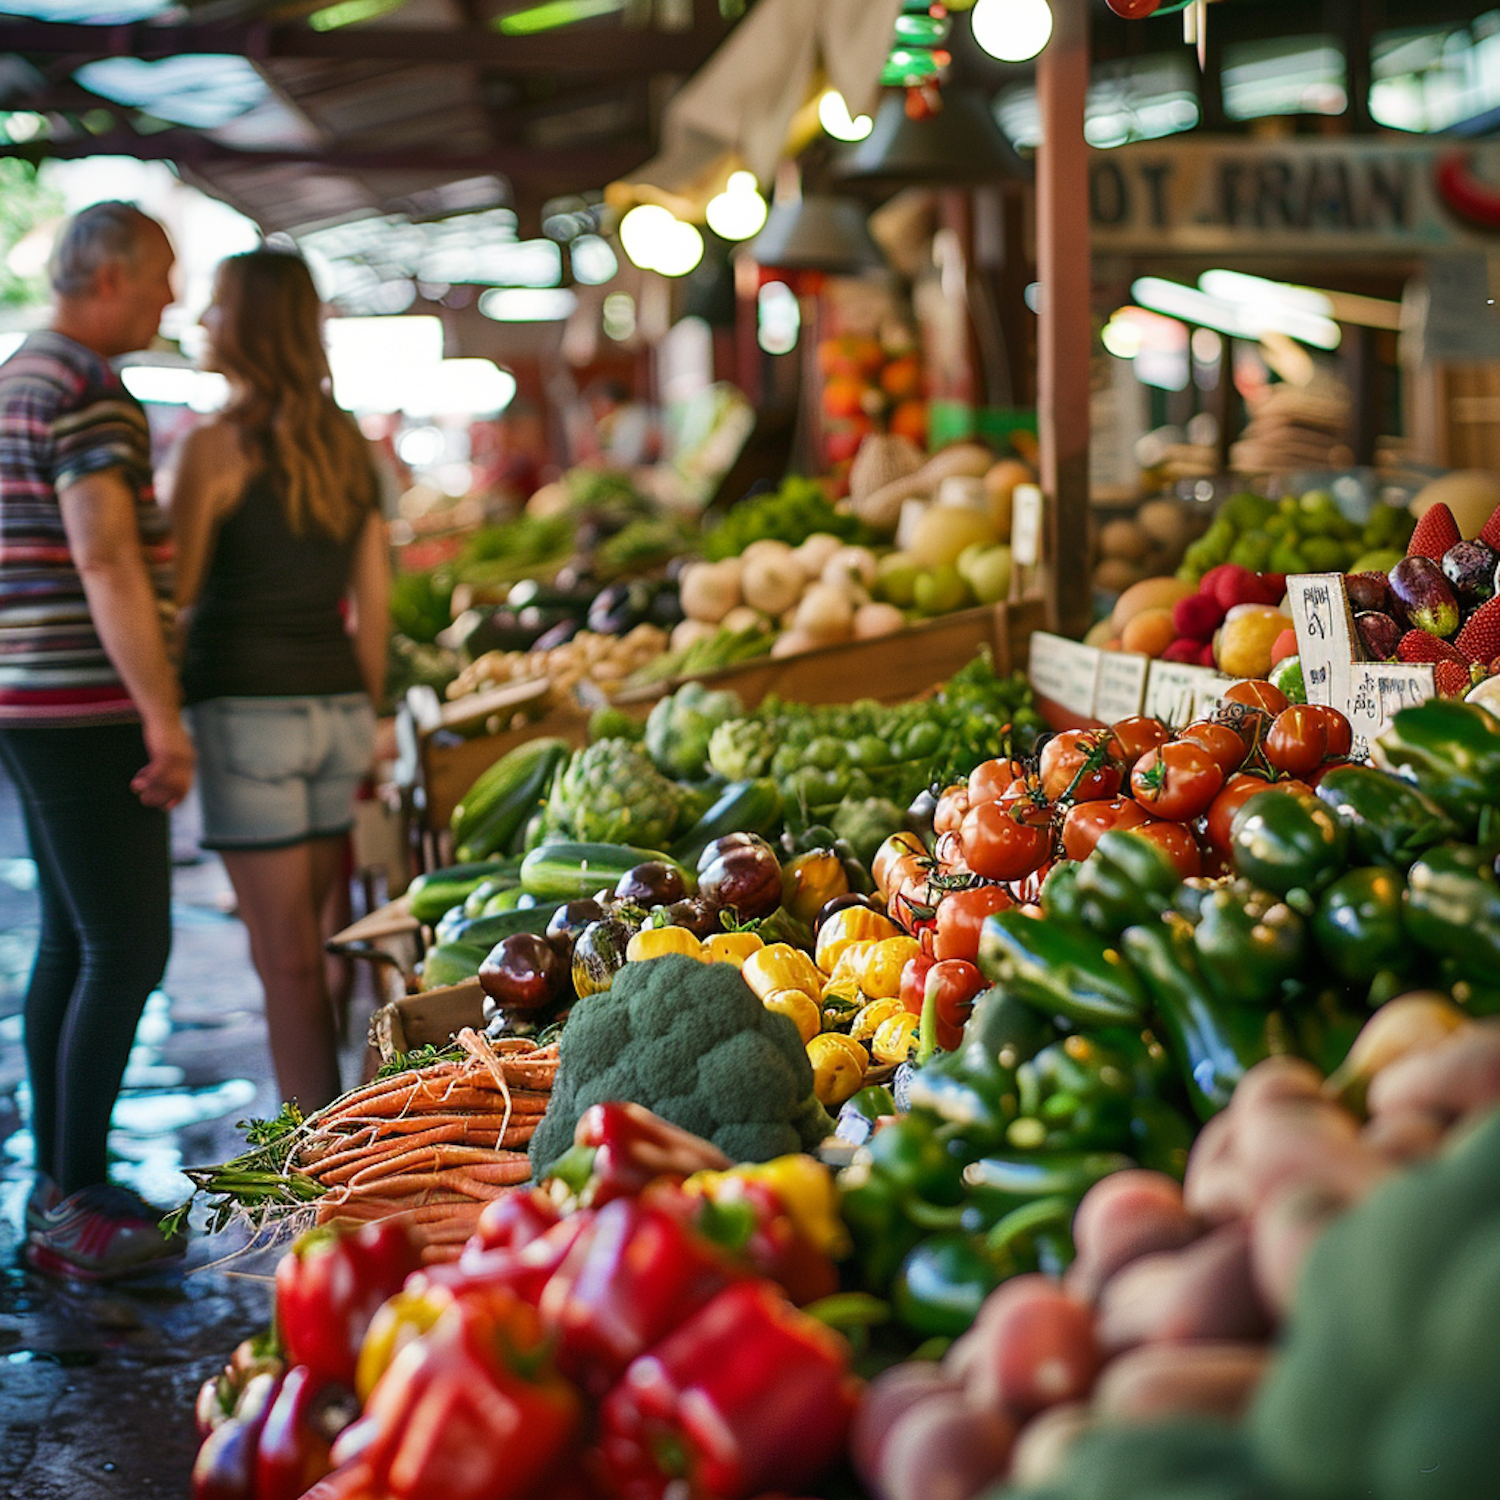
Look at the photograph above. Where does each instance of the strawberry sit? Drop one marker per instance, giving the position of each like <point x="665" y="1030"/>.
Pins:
<point x="1479" y="640"/>
<point x="1452" y="679"/>
<point x="1489" y="533"/>
<point x="1423" y="645"/>
<point x="1436" y="532"/>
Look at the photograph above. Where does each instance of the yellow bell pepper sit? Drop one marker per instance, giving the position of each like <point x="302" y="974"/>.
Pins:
<point x="731" y="947"/>
<point x="854" y="924"/>
<point x="839" y="1065"/>
<point x="803" y="1186"/>
<point x="873" y="1016"/>
<point x="399" y="1320"/>
<point x="810" y="881"/>
<point x="879" y="966"/>
<point x="799" y="1008"/>
<point x="655" y="942"/>
<point x="781" y="967"/>
<point x="895" y="1038"/>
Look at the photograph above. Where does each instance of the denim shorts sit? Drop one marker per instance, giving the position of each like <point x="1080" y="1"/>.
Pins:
<point x="277" y="771"/>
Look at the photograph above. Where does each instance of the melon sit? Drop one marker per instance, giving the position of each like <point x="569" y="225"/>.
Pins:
<point x="1150" y="593"/>
<point x="1471" y="494"/>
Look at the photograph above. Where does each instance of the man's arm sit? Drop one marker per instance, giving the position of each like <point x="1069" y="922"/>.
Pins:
<point x="98" y="513"/>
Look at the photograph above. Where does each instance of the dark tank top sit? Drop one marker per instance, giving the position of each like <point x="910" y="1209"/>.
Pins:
<point x="267" y="623"/>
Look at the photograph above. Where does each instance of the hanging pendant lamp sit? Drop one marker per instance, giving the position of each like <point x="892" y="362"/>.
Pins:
<point x="817" y="233"/>
<point x="959" y="145"/>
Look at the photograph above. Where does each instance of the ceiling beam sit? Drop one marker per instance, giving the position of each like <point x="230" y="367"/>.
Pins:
<point x="612" y="51"/>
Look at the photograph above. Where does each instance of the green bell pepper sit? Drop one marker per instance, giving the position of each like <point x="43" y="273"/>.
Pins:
<point x="942" y="1284"/>
<point x="1060" y="969"/>
<point x="1249" y="944"/>
<point x="1002" y="1182"/>
<point x="1060" y="898"/>
<point x="1325" y="1026"/>
<point x="913" y="1156"/>
<point x="1453" y="907"/>
<point x="1079" y="1093"/>
<point x="871" y="1207"/>
<point x="1125" y="881"/>
<point x="1390" y="822"/>
<point x="1287" y="841"/>
<point x="1358" y="924"/>
<point x="1161" y="1137"/>
<point x="1451" y="750"/>
<point x="1215" y="1043"/>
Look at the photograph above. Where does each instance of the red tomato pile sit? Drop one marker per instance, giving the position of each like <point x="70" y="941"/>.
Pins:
<point x="997" y="835"/>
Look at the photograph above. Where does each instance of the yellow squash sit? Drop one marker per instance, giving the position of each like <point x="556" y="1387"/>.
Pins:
<point x="782" y="967"/>
<point x="839" y="1065"/>
<point x="655" y="942"/>
<point x="855" y="924"/>
<point x="799" y="1008"/>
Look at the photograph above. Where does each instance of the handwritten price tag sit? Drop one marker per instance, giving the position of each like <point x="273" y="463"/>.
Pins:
<point x="1064" y="671"/>
<point x="1120" y="691"/>
<point x="1325" y="634"/>
<point x="1378" y="691"/>
<point x="1174" y="690"/>
<point x="1026" y="526"/>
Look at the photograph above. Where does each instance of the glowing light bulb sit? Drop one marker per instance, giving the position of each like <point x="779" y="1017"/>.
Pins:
<point x="656" y="241"/>
<point x="834" y="117"/>
<point x="739" y="211"/>
<point x="1012" y="30"/>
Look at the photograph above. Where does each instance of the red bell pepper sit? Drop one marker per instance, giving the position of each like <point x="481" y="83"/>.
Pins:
<point x="518" y="1216"/>
<point x="619" y="1148"/>
<point x="225" y="1466"/>
<point x="472" y="1410"/>
<point x="632" y="1277"/>
<point x="307" y="1415"/>
<point x="331" y="1284"/>
<point x="746" y="1396"/>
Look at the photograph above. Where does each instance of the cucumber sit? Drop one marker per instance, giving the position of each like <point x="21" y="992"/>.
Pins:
<point x="504" y="797"/>
<point x="495" y="885"/>
<point x="429" y="896"/>
<point x="742" y="807"/>
<point x="484" y="932"/>
<point x="451" y="963"/>
<point x="568" y="871"/>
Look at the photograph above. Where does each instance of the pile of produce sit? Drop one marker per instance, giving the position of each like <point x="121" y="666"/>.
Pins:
<point x="603" y="660"/>
<point x="870" y="385"/>
<point x="798" y="509"/>
<point x="634" y="1332"/>
<point x="1149" y="544"/>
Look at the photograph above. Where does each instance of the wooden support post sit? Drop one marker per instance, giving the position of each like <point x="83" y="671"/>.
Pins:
<point x="1065" y="335"/>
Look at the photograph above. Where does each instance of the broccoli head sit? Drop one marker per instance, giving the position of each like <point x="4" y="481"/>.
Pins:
<point x="690" y="1042"/>
<point x="678" y="730"/>
<point x="612" y="794"/>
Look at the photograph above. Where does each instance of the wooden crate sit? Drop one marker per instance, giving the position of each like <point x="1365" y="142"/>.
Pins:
<point x="429" y="1019"/>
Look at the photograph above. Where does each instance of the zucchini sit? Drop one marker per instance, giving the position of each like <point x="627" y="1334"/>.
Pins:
<point x="495" y="885"/>
<point x="504" y="797"/>
<point x="568" y="871"/>
<point x="451" y="963"/>
<point x="742" y="807"/>
<point x="484" y="932"/>
<point x="430" y="895"/>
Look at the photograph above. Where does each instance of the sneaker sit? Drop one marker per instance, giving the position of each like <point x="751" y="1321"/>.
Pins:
<point x="44" y="1197"/>
<point x="99" y="1233"/>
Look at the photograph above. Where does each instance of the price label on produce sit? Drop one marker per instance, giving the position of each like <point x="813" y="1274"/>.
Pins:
<point x="1064" y="671"/>
<point x="1120" y="690"/>
<point x="1026" y="526"/>
<point x="1174" y="690"/>
<point x="1209" y="693"/>
<point x="1378" y="691"/>
<point x="1325" y="635"/>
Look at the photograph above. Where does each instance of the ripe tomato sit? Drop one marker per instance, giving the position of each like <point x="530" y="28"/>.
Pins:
<point x="1221" y="742"/>
<point x="988" y="781"/>
<point x="914" y="982"/>
<point x="1176" y="841"/>
<point x="1004" y="841"/>
<point x="1088" y="822"/>
<point x="1257" y="694"/>
<point x="1237" y="790"/>
<point x="950" y="810"/>
<point x="949" y="853"/>
<point x="1177" y="781"/>
<point x="1136" y="735"/>
<point x="1316" y="775"/>
<point x="1297" y="739"/>
<point x="898" y="846"/>
<point x="960" y="915"/>
<point x="952" y="984"/>
<point x="1079" y="765"/>
<point x="1340" y="735"/>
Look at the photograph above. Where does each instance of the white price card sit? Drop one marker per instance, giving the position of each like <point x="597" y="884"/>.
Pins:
<point x="1325" y="634"/>
<point x="1120" y="690"/>
<point x="1026" y="526"/>
<point x="1377" y="692"/>
<point x="1064" y="671"/>
<point x="1209" y="693"/>
<point x="1174" y="688"/>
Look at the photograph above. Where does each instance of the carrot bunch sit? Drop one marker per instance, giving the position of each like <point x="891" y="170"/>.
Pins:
<point x="430" y="1145"/>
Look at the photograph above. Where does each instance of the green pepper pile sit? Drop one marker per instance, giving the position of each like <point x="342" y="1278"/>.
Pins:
<point x="1136" y="1001"/>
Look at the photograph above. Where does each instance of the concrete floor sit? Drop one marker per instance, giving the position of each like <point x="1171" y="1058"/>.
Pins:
<point x="97" y="1385"/>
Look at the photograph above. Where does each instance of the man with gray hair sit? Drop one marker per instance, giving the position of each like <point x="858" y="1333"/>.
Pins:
<point x="90" y="727"/>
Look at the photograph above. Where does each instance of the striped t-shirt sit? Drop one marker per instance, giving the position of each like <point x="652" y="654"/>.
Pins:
<point x="64" y="415"/>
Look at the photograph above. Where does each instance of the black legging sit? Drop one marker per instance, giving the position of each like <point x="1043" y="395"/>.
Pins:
<point x="104" y="872"/>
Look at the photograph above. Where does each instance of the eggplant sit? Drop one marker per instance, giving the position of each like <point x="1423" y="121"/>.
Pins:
<point x="1378" y="633"/>
<point x="568" y="921"/>
<point x="843" y="903"/>
<point x="620" y="607"/>
<point x="1418" y="585"/>
<point x="559" y="635"/>
<point x="741" y="873"/>
<point x="654" y="883"/>
<point x="1368" y="591"/>
<point x="666" y="607"/>
<point x="1470" y="568"/>
<point x="693" y="912"/>
<point x="599" y="954"/>
<point x="522" y="972"/>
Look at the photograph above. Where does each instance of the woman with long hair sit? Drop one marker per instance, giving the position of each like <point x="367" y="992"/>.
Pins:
<point x="283" y="579"/>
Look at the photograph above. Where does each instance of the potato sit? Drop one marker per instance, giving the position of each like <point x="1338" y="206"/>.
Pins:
<point x="1159" y="1381"/>
<point x="1213" y="1187"/>
<point x="1284" y="1229"/>
<point x="945" y="1449"/>
<point x="1206" y="1291"/>
<point x="1452" y="1079"/>
<point x="1033" y="1346"/>
<point x="1126" y="1216"/>
<point x="1405" y="1135"/>
<point x="1045" y="1442"/>
<point x="1304" y="1141"/>
<point x="888" y="1398"/>
<point x="1274" y="1079"/>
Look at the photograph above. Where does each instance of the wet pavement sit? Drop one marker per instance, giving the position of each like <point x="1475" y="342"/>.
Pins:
<point x="97" y="1384"/>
